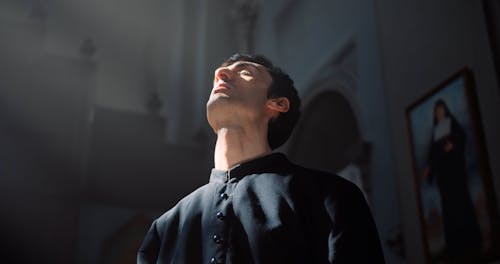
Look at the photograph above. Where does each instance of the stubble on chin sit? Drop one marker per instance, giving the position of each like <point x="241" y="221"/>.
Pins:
<point x="217" y="100"/>
<point x="218" y="106"/>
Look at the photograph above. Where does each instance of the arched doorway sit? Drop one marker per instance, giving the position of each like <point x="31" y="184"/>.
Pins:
<point x="326" y="133"/>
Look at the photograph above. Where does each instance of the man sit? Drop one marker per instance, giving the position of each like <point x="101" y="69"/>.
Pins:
<point x="258" y="207"/>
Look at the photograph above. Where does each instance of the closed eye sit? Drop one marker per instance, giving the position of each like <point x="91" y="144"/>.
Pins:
<point x="245" y="72"/>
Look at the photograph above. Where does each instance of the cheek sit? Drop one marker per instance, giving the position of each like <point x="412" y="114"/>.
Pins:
<point x="255" y="96"/>
<point x="260" y="90"/>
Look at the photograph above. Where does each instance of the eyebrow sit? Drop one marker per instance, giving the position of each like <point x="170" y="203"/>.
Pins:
<point x="240" y="64"/>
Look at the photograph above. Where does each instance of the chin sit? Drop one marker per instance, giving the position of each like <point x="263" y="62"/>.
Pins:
<point x="218" y="101"/>
<point x="219" y="97"/>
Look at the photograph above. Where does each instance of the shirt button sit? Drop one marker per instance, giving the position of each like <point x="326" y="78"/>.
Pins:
<point x="220" y="215"/>
<point x="224" y="196"/>
<point x="213" y="261"/>
<point x="217" y="239"/>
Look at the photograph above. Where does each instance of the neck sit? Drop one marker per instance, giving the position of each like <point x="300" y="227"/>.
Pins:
<point x="237" y="144"/>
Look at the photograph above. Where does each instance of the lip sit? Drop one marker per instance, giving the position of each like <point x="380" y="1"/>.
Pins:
<point x="220" y="90"/>
<point x="221" y="87"/>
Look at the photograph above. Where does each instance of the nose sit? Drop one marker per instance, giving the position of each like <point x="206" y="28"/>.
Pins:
<point x="223" y="73"/>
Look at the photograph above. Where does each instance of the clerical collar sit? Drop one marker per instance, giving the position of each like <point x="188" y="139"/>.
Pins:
<point x="272" y="163"/>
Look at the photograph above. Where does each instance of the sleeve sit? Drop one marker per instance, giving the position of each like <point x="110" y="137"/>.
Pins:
<point x="148" y="252"/>
<point x="353" y="236"/>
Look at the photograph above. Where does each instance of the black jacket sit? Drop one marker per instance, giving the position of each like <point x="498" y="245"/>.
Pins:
<point x="266" y="210"/>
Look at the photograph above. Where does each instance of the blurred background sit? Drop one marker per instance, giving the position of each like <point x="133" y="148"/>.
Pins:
<point x="102" y="107"/>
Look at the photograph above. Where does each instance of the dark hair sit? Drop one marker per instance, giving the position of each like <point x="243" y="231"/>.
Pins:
<point x="281" y="127"/>
<point x="447" y="113"/>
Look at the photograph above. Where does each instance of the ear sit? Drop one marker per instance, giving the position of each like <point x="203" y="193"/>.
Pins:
<point x="279" y="104"/>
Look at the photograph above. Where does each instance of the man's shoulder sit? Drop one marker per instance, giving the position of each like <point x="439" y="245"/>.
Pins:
<point x="320" y="176"/>
<point x="329" y="183"/>
<point x="183" y="206"/>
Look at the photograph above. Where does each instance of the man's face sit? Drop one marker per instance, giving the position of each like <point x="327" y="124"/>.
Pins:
<point x="239" y="89"/>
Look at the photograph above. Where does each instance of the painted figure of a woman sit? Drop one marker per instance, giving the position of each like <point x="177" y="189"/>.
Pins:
<point x="447" y="168"/>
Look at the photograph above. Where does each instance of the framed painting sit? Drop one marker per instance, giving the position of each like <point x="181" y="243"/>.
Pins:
<point x="452" y="178"/>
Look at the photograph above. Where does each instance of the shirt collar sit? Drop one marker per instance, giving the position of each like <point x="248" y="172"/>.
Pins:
<point x="274" y="162"/>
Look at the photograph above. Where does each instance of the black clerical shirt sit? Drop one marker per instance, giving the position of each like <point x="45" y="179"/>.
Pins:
<point x="267" y="210"/>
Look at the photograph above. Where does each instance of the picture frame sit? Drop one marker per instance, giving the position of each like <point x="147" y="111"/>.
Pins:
<point x="452" y="178"/>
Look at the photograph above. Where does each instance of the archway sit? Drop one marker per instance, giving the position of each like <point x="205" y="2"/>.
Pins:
<point x="326" y="133"/>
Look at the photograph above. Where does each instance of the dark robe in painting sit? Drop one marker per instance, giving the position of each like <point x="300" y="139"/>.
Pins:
<point x="461" y="229"/>
<point x="267" y="210"/>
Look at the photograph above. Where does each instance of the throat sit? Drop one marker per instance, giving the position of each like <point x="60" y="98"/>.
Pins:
<point x="237" y="145"/>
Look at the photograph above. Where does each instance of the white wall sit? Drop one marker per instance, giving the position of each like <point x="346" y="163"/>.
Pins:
<point x="423" y="43"/>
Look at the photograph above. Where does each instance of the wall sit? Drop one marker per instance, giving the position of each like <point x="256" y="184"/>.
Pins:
<point x="423" y="43"/>
<point x="309" y="39"/>
<point x="75" y="129"/>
